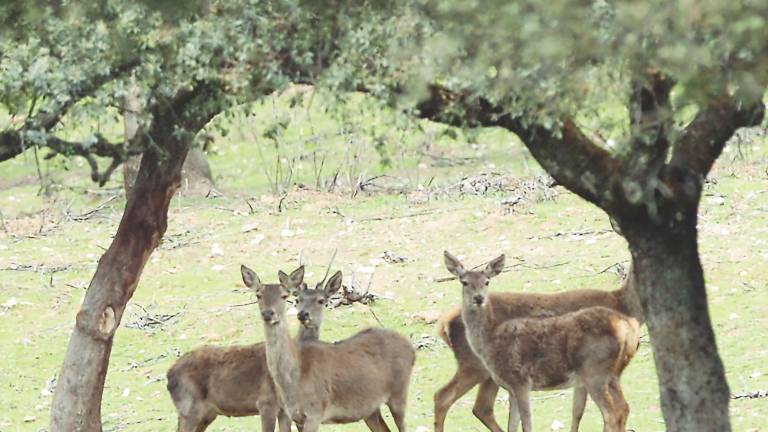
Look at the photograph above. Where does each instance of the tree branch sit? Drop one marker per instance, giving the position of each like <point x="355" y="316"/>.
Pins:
<point x="99" y="146"/>
<point x="49" y="117"/>
<point x="12" y="142"/>
<point x="567" y="154"/>
<point x="705" y="137"/>
<point x="650" y="119"/>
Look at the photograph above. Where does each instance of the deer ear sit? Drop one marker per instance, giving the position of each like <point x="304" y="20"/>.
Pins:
<point x="285" y="280"/>
<point x="297" y="276"/>
<point x="333" y="284"/>
<point x="250" y="279"/>
<point x="453" y="265"/>
<point x="494" y="267"/>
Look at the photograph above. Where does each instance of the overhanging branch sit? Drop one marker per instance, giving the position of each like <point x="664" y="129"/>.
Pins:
<point x="705" y="137"/>
<point x="12" y="141"/>
<point x="98" y="146"/>
<point x="567" y="154"/>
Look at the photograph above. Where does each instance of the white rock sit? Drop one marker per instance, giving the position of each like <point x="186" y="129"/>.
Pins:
<point x="557" y="425"/>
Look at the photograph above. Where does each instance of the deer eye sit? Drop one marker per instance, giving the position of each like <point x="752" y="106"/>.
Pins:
<point x="486" y="283"/>
<point x="258" y="296"/>
<point x="284" y="296"/>
<point x="321" y="301"/>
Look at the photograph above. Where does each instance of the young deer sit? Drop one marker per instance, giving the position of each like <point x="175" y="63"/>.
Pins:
<point x="471" y="371"/>
<point x="588" y="349"/>
<point x="343" y="382"/>
<point x="231" y="381"/>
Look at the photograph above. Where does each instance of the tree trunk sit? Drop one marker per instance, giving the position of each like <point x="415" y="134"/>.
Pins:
<point x="77" y="401"/>
<point x="196" y="176"/>
<point x="670" y="283"/>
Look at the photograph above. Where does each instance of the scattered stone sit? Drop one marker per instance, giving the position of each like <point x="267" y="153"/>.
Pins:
<point x="393" y="258"/>
<point x="425" y="341"/>
<point x="426" y="317"/>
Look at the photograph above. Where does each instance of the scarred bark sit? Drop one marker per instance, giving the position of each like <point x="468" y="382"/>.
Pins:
<point x="77" y="401"/>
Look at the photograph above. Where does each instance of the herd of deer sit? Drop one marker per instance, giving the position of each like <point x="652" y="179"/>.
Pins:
<point x="521" y="342"/>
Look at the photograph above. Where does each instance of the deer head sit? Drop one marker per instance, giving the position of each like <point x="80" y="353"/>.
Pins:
<point x="311" y="302"/>
<point x="272" y="297"/>
<point x="474" y="283"/>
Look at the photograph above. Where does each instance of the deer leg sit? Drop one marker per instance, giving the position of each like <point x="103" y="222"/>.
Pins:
<point x="193" y="423"/>
<point x="579" y="402"/>
<point x="458" y="386"/>
<point x="376" y="423"/>
<point x="600" y="393"/>
<point x="397" y="406"/>
<point x="483" y="409"/>
<point x="283" y="421"/>
<point x="268" y="419"/>
<point x="203" y="425"/>
<point x="311" y="424"/>
<point x="522" y="395"/>
<point x="622" y="407"/>
<point x="514" y="413"/>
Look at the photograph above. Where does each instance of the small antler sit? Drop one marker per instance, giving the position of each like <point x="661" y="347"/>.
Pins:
<point x="328" y="270"/>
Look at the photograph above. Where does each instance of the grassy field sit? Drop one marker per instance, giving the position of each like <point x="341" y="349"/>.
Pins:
<point x="50" y="245"/>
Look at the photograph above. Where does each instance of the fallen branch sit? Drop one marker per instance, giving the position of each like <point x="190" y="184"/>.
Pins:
<point x="90" y="213"/>
<point x="409" y="215"/>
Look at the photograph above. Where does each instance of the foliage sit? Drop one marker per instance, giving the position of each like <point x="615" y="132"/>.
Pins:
<point x="550" y="59"/>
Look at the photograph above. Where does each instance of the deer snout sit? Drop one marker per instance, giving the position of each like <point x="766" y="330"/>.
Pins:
<point x="268" y="315"/>
<point x="303" y="316"/>
<point x="478" y="299"/>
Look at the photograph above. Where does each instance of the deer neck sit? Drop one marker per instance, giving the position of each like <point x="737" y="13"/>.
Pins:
<point x="283" y="361"/>
<point x="480" y="323"/>
<point x="629" y="298"/>
<point x="309" y="334"/>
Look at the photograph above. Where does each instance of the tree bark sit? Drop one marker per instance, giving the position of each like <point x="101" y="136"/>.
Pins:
<point x="196" y="177"/>
<point x="694" y="391"/>
<point x="77" y="400"/>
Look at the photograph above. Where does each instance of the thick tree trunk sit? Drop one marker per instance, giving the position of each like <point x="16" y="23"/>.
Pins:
<point x="694" y="391"/>
<point x="77" y="401"/>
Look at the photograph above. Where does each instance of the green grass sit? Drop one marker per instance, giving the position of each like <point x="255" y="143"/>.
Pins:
<point x="204" y="286"/>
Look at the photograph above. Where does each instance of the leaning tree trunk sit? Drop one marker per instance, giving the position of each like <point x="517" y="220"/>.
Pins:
<point x="77" y="402"/>
<point x="694" y="391"/>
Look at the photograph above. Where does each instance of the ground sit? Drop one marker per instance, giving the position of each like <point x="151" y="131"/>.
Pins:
<point x="50" y="245"/>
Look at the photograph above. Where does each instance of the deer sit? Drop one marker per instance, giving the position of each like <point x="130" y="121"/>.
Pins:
<point x="233" y="381"/>
<point x="587" y="349"/>
<point x="331" y="383"/>
<point x="471" y="371"/>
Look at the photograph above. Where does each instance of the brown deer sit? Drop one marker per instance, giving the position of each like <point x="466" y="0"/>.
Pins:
<point x="342" y="382"/>
<point x="471" y="371"/>
<point x="231" y="381"/>
<point x="587" y="349"/>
